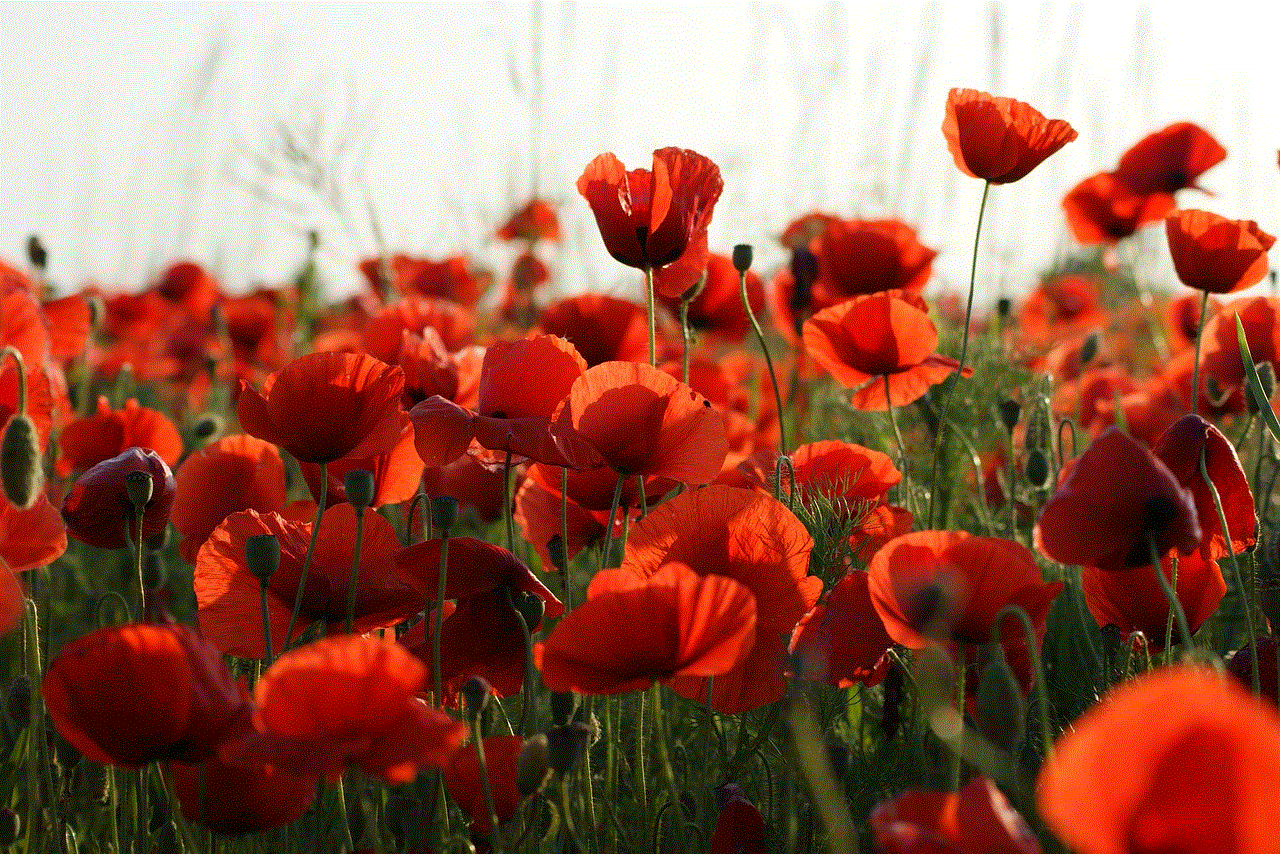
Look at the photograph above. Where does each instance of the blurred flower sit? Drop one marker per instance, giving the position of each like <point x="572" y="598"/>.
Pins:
<point x="1215" y="254"/>
<point x="602" y="328"/>
<point x="31" y="538"/>
<point x="531" y="223"/>
<point x="249" y="474"/>
<point x="999" y="140"/>
<point x="1103" y="209"/>
<point x="860" y="256"/>
<point x="739" y="826"/>
<point x="1169" y="160"/>
<point x="462" y="781"/>
<point x="1176" y="760"/>
<point x="90" y="440"/>
<point x="451" y="278"/>
<point x="98" y="508"/>
<point x="842" y="642"/>
<point x="1220" y="356"/>
<point x="232" y="800"/>
<point x="975" y="820"/>
<point x="717" y="309"/>
<point x="1132" y="600"/>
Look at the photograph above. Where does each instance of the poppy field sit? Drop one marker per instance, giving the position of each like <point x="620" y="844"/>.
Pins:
<point x="800" y="560"/>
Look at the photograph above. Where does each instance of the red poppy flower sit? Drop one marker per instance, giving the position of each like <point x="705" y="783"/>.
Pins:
<point x="382" y="334"/>
<point x="396" y="474"/>
<point x="232" y="800"/>
<point x="717" y="309"/>
<point x="228" y="595"/>
<point x="450" y="279"/>
<point x="358" y="395"/>
<point x="1240" y="665"/>
<point x="41" y="400"/>
<point x="1115" y="496"/>
<point x="1182" y="319"/>
<point x="533" y="222"/>
<point x="1133" y="601"/>
<point x="190" y="286"/>
<point x="746" y="536"/>
<point x="642" y="421"/>
<point x="1220" y="356"/>
<point x="69" y="326"/>
<point x="475" y="567"/>
<point x="1090" y="398"/>
<point x="22" y="326"/>
<point x="33" y="537"/>
<point x="260" y="326"/>
<point x="1060" y="306"/>
<point x="857" y="257"/>
<point x="1104" y="209"/>
<point x="1215" y="254"/>
<point x="98" y="507"/>
<point x="135" y="694"/>
<point x="648" y="218"/>
<point x="863" y="340"/>
<point x="842" y="642"/>
<point x="88" y="441"/>
<point x="999" y="140"/>
<point x="975" y="820"/>
<point x="1175" y="760"/>
<point x="347" y="699"/>
<point x="428" y="368"/>
<point x="634" y="630"/>
<point x="462" y="781"/>
<point x="538" y="506"/>
<point x="477" y="489"/>
<point x="601" y="328"/>
<point x="521" y="383"/>
<point x="249" y="475"/>
<point x="1169" y="160"/>
<point x="1180" y="448"/>
<point x="739" y="826"/>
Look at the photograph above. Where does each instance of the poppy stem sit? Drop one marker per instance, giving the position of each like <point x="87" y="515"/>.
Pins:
<point x="566" y="815"/>
<point x="439" y="617"/>
<point x="564" y="538"/>
<point x="478" y="739"/>
<point x="660" y="735"/>
<point x="1235" y="565"/>
<point x="902" y="448"/>
<point x="35" y="716"/>
<point x="638" y="774"/>
<point x="137" y="565"/>
<point x="311" y="550"/>
<point x="355" y="569"/>
<point x="1195" y="369"/>
<point x="964" y="351"/>
<point x="507" y="517"/>
<point x="768" y="360"/>
<point x="684" y="330"/>
<point x="1175" y="606"/>
<point x="266" y="622"/>
<point x="1037" y="669"/>
<point x="957" y="756"/>
<point x="653" y="324"/>
<point x="608" y="525"/>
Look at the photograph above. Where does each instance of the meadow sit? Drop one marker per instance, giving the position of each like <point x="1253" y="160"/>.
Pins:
<point x="818" y="558"/>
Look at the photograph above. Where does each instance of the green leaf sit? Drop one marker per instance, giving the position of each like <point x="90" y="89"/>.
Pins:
<point x="1255" y="385"/>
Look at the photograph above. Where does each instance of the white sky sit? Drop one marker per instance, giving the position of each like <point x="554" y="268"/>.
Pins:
<point x="129" y="132"/>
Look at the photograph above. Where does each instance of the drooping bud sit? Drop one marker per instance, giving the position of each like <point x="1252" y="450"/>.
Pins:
<point x="10" y="827"/>
<point x="566" y="745"/>
<point x="360" y="488"/>
<point x="444" y="512"/>
<point x="742" y="257"/>
<point x="563" y="706"/>
<point x="1089" y="348"/>
<point x="475" y="694"/>
<point x="1002" y="713"/>
<point x="262" y="555"/>
<point x="23" y="476"/>
<point x="1267" y="379"/>
<point x="530" y="607"/>
<point x="1010" y="413"/>
<point x="533" y="768"/>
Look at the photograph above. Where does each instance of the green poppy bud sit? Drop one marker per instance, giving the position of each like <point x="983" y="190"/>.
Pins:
<point x="566" y="745"/>
<point x="1002" y="713"/>
<point x="556" y="551"/>
<point x="360" y="488"/>
<point x="1010" y="413"/>
<point x="742" y="257"/>
<point x="36" y="253"/>
<point x="444" y="512"/>
<point x="23" y="476"/>
<point x="1089" y="348"/>
<point x="10" y="827"/>
<point x="475" y="695"/>
<point x="262" y="555"/>
<point x="1037" y="468"/>
<point x="1267" y="379"/>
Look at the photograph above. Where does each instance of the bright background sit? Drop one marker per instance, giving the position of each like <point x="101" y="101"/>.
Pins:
<point x="134" y="134"/>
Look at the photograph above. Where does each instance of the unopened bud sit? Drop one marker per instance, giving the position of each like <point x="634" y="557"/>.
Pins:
<point x="1004" y="307"/>
<point x="23" y="476"/>
<point x="1089" y="348"/>
<point x="475" y="695"/>
<point x="1267" y="379"/>
<point x="262" y="555"/>
<point x="38" y="255"/>
<point x="1010" y="413"/>
<point x="530" y="607"/>
<point x="742" y="257"/>
<point x="533" y="768"/>
<point x="360" y="488"/>
<point x="566" y="745"/>
<point x="444" y="512"/>
<point x="208" y="426"/>
<point x="1037" y="468"/>
<point x="1002" y="713"/>
<point x="1215" y="393"/>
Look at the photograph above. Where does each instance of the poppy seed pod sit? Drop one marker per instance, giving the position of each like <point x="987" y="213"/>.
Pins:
<point x="444" y="512"/>
<point x="101" y="501"/>
<point x="139" y="485"/>
<point x="475" y="695"/>
<point x="23" y="476"/>
<point x="262" y="555"/>
<point x="1267" y="379"/>
<point x="360" y="488"/>
<point x="528" y="606"/>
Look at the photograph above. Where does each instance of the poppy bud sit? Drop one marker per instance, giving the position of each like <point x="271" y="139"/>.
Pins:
<point x="1215" y="393"/>
<point x="556" y="551"/>
<point x="262" y="555"/>
<point x="17" y="703"/>
<point x="1267" y="379"/>
<point x="566" y="744"/>
<point x="360" y="488"/>
<point x="36" y="252"/>
<point x="208" y="426"/>
<point x="139" y="485"/>
<point x="934" y="673"/>
<point x="533" y="768"/>
<point x="23" y="475"/>
<point x="1002" y="713"/>
<point x="1037" y="468"/>
<point x="1038" y="434"/>
<point x="742" y="257"/>
<point x="1089" y="348"/>
<point x="444" y="512"/>
<point x="1010" y="413"/>
<point x="1004" y="307"/>
<point x="530" y="607"/>
<point x="563" y="705"/>
<point x="10" y="827"/>
<point x="475" y="695"/>
<point x="97" y="311"/>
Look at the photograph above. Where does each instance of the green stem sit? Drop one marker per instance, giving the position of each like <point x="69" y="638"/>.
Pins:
<point x="484" y="776"/>
<point x="508" y="518"/>
<point x="638" y="774"/>
<point x="964" y="351"/>
<point x="902" y="448"/>
<point x="31" y="633"/>
<point x="342" y="813"/>
<point x="354" y="582"/>
<point x="528" y="683"/>
<point x="1235" y="565"/>
<point x="567" y="817"/>
<point x="957" y="756"/>
<point x="1037" y="669"/>
<point x="1175" y="606"/>
<point x="653" y="324"/>
<point x="137" y="565"/>
<point x="1195" y="370"/>
<point x="768" y="360"/>
<point x="311" y="550"/>
<point x="608" y="525"/>
<point x="660" y="735"/>
<point x="266" y="621"/>
<point x="439" y="616"/>
<point x="564" y="538"/>
<point x="684" y="334"/>
<point x="587" y="777"/>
